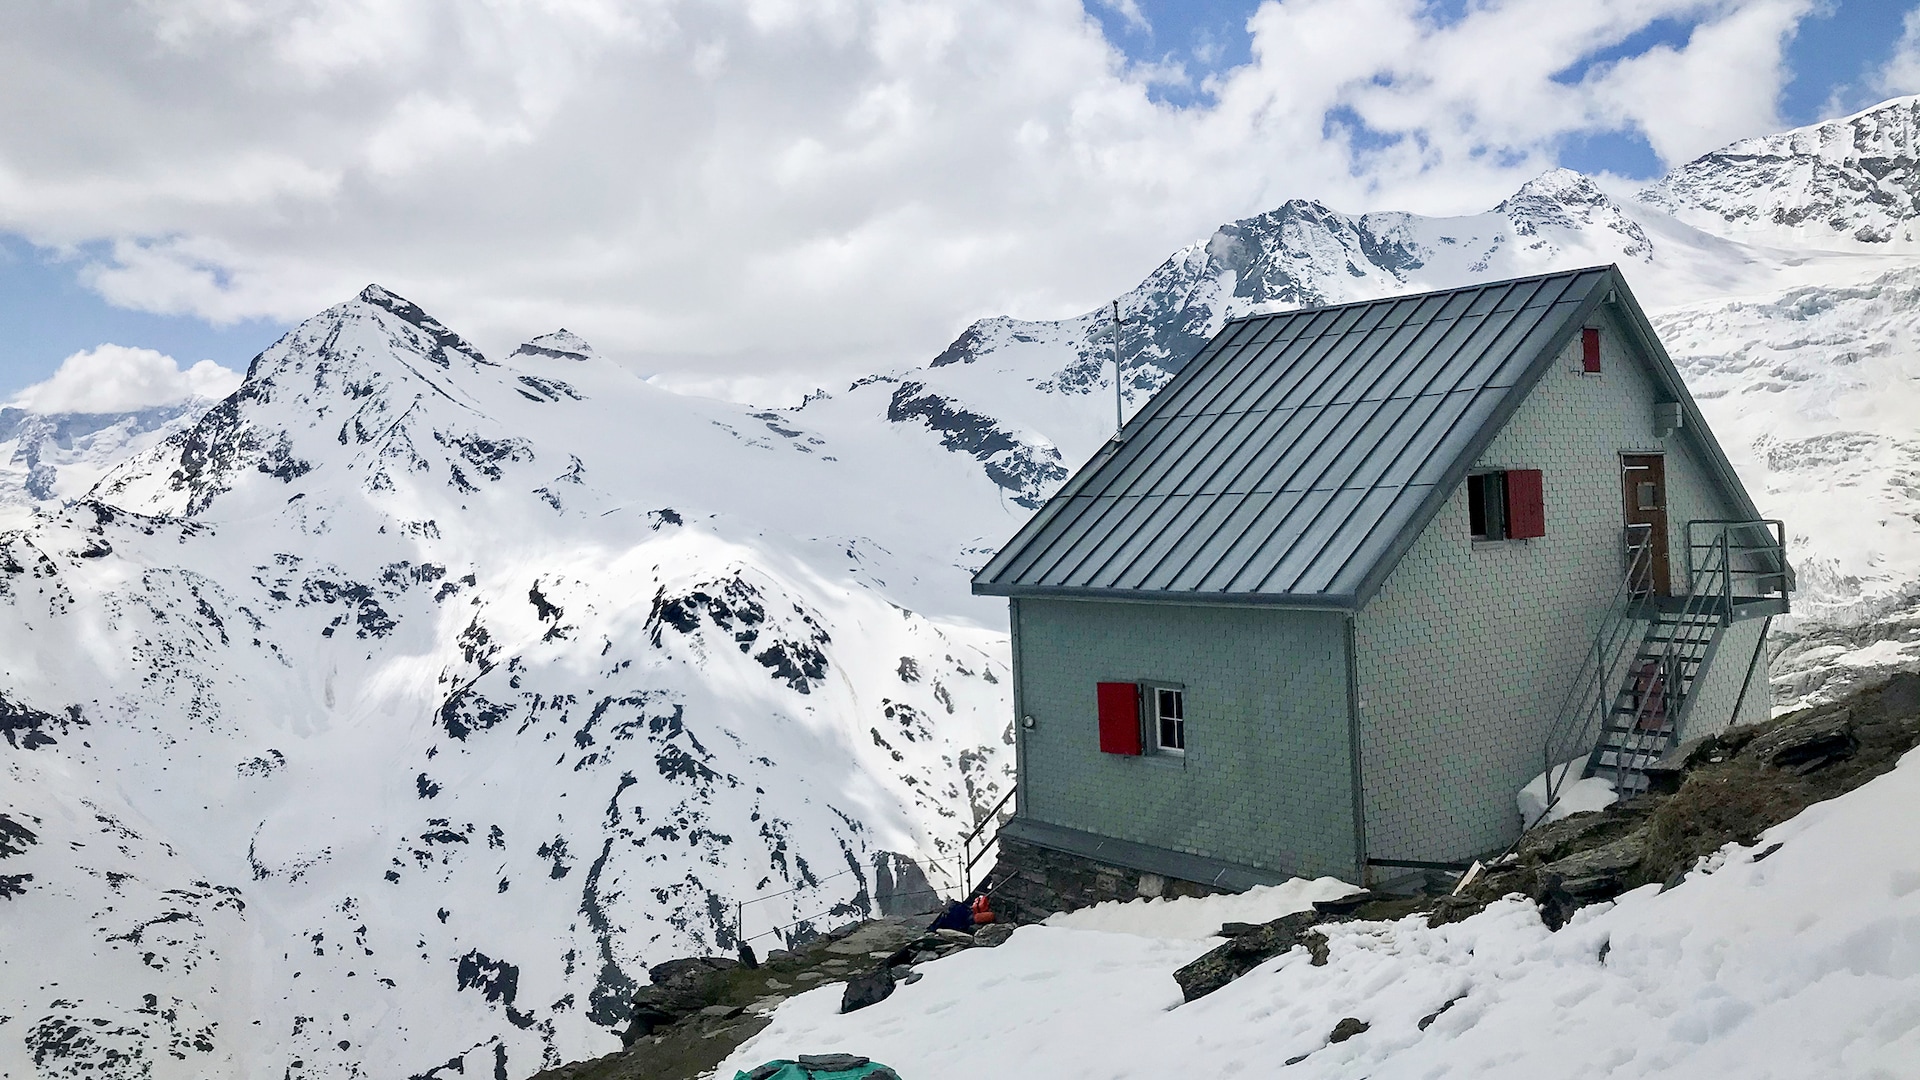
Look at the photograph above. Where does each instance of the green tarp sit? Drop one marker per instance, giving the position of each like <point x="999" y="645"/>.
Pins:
<point x="821" y="1067"/>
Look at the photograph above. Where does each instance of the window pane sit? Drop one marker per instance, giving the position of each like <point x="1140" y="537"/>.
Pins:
<point x="1170" y="710"/>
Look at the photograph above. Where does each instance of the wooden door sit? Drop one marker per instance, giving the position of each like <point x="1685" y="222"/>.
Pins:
<point x="1643" y="488"/>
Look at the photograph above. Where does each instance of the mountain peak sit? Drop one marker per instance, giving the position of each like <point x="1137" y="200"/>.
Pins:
<point x="447" y="341"/>
<point x="1856" y="177"/>
<point x="562" y="344"/>
<point x="1561" y="199"/>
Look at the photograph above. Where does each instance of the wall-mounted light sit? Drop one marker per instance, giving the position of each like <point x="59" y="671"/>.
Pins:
<point x="1027" y="722"/>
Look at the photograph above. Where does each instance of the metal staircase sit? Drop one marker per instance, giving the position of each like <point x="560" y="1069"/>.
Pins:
<point x="1634" y="705"/>
<point x="1649" y="707"/>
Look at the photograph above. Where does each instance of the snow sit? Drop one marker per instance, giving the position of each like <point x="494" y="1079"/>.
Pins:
<point x="1571" y="796"/>
<point x="1195" y="918"/>
<point x="1796" y="957"/>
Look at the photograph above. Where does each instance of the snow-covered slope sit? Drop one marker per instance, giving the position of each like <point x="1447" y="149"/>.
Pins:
<point x="1806" y="964"/>
<point x="391" y="716"/>
<point x="401" y="709"/>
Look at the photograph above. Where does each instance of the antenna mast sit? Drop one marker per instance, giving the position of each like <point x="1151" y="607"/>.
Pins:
<point x="1119" y="407"/>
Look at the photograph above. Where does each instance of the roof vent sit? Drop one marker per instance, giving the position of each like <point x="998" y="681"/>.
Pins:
<point x="1666" y="418"/>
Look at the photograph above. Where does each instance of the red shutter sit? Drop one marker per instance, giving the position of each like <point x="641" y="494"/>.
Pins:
<point x="1590" y="350"/>
<point x="1119" y="718"/>
<point x="1526" y="504"/>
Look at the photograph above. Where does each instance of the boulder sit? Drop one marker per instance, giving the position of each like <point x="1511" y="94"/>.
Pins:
<point x="1807" y="744"/>
<point x="1346" y="1029"/>
<point x="1242" y="953"/>
<point x="865" y="990"/>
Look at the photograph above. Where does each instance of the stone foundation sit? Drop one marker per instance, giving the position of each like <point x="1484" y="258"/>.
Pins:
<point x="1029" y="882"/>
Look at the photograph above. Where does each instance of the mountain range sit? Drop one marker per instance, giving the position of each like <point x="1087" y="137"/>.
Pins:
<point x="392" y="715"/>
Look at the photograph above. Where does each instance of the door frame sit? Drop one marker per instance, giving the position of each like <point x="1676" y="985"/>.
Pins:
<point x="1659" y="572"/>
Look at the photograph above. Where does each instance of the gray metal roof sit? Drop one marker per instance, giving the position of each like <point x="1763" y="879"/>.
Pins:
<point x="1295" y="458"/>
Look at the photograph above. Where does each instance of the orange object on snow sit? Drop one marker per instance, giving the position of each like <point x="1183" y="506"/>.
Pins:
<point x="982" y="913"/>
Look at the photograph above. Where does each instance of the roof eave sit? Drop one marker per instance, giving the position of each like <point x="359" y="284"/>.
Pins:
<point x="1342" y="602"/>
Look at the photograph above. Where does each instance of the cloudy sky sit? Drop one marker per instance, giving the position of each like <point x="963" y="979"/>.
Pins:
<point x="751" y="187"/>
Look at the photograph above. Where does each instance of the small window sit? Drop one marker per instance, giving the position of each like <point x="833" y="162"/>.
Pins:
<point x="1487" y="505"/>
<point x="1590" y="350"/>
<point x="1170" y="719"/>
<point x="1506" y="505"/>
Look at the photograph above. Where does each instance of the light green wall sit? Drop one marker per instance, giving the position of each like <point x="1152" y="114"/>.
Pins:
<point x="1266" y="780"/>
<point x="1461" y="663"/>
<point x="1465" y="654"/>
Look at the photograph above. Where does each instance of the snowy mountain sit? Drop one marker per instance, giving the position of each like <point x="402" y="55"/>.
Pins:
<point x="408" y="703"/>
<point x="1844" y="182"/>
<point x="46" y="458"/>
<point x="391" y="716"/>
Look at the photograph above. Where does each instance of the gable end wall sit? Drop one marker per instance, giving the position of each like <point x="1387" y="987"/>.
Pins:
<point x="1463" y="657"/>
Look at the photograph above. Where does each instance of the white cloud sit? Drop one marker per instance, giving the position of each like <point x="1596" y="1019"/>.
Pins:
<point x="752" y="185"/>
<point x="1901" y="73"/>
<point x="115" y="378"/>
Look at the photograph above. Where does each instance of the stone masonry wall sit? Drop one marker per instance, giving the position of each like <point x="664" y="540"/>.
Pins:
<point x="1266" y="781"/>
<point x="1466" y="653"/>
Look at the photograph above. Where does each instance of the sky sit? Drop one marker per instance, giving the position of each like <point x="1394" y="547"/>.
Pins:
<point x="748" y="189"/>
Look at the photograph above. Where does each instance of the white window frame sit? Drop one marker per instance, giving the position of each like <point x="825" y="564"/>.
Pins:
<point x="1154" y="717"/>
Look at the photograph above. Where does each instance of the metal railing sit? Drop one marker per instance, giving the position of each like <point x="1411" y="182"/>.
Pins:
<point x="969" y="856"/>
<point x="1587" y="698"/>
<point x="1755" y="553"/>
<point x="1668" y="690"/>
<point x="1739" y="560"/>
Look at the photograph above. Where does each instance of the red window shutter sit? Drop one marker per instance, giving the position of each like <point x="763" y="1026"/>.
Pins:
<point x="1590" y="350"/>
<point x="1526" y="504"/>
<point x="1119" y="718"/>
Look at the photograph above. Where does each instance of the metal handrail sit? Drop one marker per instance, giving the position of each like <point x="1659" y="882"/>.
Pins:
<point x="1774" y="577"/>
<point x="969" y="856"/>
<point x="1584" y="701"/>
<point x="1696" y="627"/>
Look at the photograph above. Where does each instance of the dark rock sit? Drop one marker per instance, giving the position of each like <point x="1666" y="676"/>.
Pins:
<point x="1556" y="904"/>
<point x="1243" y="953"/>
<point x="1318" y="947"/>
<point x="747" y="959"/>
<point x="1603" y="872"/>
<point x="865" y="990"/>
<point x="1235" y="929"/>
<point x="992" y="934"/>
<point x="1346" y="1029"/>
<point x="1427" y="1020"/>
<point x="1767" y="851"/>
<point x="1346" y="905"/>
<point x="1809" y="744"/>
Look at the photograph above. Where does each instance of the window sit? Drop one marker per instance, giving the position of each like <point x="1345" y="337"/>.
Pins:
<point x="1170" y="719"/>
<point x="1487" y="506"/>
<point x="1506" y="505"/>
<point x="1590" y="350"/>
